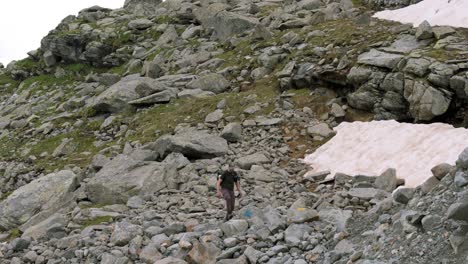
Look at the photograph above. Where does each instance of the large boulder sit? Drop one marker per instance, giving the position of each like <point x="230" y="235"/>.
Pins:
<point x="74" y="48"/>
<point x="45" y="194"/>
<point x="117" y="97"/>
<point x="212" y="82"/>
<point x="192" y="144"/>
<point x="126" y="176"/>
<point x="225" y="24"/>
<point x="426" y="102"/>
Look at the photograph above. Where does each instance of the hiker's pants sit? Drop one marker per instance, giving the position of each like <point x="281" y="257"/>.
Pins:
<point x="228" y="195"/>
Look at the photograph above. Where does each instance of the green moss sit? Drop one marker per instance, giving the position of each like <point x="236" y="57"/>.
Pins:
<point x="81" y="138"/>
<point x="14" y="233"/>
<point x="442" y="54"/>
<point x="8" y="147"/>
<point x="96" y="221"/>
<point x="27" y="64"/>
<point x="5" y="195"/>
<point x="164" y="19"/>
<point x="6" y="80"/>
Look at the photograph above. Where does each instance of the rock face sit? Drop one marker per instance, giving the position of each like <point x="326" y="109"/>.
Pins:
<point x="45" y="194"/>
<point x="142" y="7"/>
<point x="192" y="144"/>
<point x="426" y="102"/>
<point x="225" y="24"/>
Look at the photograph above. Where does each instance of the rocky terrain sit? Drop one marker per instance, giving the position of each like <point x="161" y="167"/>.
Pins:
<point x="112" y="134"/>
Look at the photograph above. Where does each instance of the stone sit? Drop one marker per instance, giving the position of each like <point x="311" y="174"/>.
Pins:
<point x="380" y="59"/>
<point x="212" y="82"/>
<point x="364" y="193"/>
<point x="123" y="233"/>
<point x="140" y="24"/>
<point x="337" y="111"/>
<point x="426" y="102"/>
<point x="49" y="58"/>
<point x="252" y="254"/>
<point x="339" y="218"/>
<point x="192" y="144"/>
<point x="261" y="121"/>
<point x="191" y="32"/>
<point x="111" y="259"/>
<point x="458" y="211"/>
<point x="461" y="179"/>
<point x="170" y="260"/>
<point x="417" y="66"/>
<point x="232" y="132"/>
<point x="19" y="244"/>
<point x="118" y="180"/>
<point x="310" y="4"/>
<point x="462" y="161"/>
<point x="441" y="170"/>
<point x="196" y="93"/>
<point x="321" y="129"/>
<point x="214" y="117"/>
<point x="273" y="219"/>
<point x="156" y="98"/>
<point x="150" y="254"/>
<point x="142" y="7"/>
<point x="441" y="32"/>
<point x="46" y="195"/>
<point x="116" y="98"/>
<point x="230" y="242"/>
<point x="259" y="174"/>
<point x="387" y="181"/>
<point x="301" y="215"/>
<point x="247" y="162"/>
<point x="295" y="233"/>
<point x="234" y="227"/>
<point x="403" y="195"/>
<point x="431" y="222"/>
<point x="225" y="24"/>
<point x="52" y="227"/>
<point x="429" y="184"/>
<point x="424" y="31"/>
<point x="203" y="253"/>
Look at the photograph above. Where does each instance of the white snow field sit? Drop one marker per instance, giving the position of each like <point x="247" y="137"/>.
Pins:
<point x="436" y="12"/>
<point x="369" y="148"/>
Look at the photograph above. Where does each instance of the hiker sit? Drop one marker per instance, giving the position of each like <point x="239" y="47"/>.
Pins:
<point x="225" y="187"/>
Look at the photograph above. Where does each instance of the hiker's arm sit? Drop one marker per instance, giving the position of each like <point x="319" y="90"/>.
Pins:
<point x="238" y="188"/>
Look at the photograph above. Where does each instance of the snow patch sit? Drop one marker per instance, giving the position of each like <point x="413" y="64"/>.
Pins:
<point x="436" y="12"/>
<point x="369" y="148"/>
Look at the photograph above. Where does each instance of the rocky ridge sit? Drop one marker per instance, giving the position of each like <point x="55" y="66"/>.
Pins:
<point x="113" y="132"/>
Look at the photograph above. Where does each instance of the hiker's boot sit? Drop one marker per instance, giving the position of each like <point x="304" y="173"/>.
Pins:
<point x="228" y="216"/>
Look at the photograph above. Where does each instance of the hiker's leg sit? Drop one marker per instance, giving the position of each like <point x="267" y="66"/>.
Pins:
<point x="233" y="201"/>
<point x="227" y="198"/>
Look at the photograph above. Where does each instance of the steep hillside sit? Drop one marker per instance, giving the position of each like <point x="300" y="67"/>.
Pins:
<point x="113" y="131"/>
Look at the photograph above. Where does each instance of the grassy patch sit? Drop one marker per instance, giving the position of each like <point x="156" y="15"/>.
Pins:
<point x="442" y="54"/>
<point x="82" y="140"/>
<point x="5" y="195"/>
<point x="14" y="233"/>
<point x="96" y="221"/>
<point x="6" y="80"/>
<point x="164" y="118"/>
